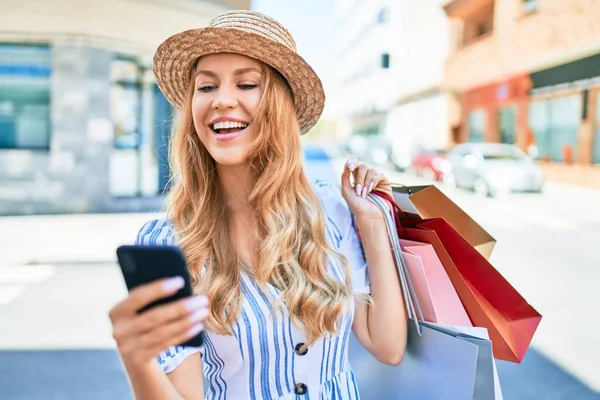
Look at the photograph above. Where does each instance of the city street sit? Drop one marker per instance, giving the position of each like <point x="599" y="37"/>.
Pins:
<point x="55" y="337"/>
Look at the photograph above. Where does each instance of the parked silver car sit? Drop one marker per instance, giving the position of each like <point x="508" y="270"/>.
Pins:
<point x="493" y="169"/>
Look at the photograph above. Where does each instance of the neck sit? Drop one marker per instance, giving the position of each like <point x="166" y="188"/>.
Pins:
<point x="236" y="181"/>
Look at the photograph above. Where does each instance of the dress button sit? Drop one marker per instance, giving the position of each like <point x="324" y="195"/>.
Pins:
<point x="301" y="349"/>
<point x="300" y="388"/>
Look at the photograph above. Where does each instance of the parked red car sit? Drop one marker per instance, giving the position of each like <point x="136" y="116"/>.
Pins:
<point x="431" y="164"/>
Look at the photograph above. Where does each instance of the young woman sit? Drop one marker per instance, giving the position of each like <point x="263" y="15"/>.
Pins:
<point x="280" y="273"/>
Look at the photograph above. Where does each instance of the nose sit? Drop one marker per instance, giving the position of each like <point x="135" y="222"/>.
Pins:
<point x="225" y="98"/>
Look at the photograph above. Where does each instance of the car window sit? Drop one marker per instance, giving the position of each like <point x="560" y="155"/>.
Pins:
<point x="514" y="155"/>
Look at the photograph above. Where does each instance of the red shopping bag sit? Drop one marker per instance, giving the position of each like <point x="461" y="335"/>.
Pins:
<point x="490" y="300"/>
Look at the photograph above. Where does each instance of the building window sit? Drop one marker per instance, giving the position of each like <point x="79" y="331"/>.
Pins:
<point x="125" y="101"/>
<point x="383" y="16"/>
<point x="477" y="122"/>
<point x="555" y="123"/>
<point x="385" y="61"/>
<point x="479" y="25"/>
<point x="530" y="6"/>
<point x="596" y="149"/>
<point x="507" y="124"/>
<point x="25" y="96"/>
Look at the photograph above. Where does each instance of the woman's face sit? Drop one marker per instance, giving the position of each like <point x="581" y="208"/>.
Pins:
<point x="226" y="96"/>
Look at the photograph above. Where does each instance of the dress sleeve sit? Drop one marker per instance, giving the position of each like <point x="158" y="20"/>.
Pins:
<point x="342" y="235"/>
<point x="174" y="356"/>
<point x="158" y="232"/>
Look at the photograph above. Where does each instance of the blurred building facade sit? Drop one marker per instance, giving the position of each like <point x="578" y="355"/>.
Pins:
<point x="528" y="72"/>
<point x="83" y="126"/>
<point x="364" y="59"/>
<point x="391" y="65"/>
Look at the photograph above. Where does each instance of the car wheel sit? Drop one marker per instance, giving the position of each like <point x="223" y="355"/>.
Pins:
<point x="481" y="187"/>
<point x="428" y="174"/>
<point x="449" y="181"/>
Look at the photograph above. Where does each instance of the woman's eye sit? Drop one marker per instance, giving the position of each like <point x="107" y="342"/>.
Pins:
<point x="206" y="89"/>
<point x="247" y="86"/>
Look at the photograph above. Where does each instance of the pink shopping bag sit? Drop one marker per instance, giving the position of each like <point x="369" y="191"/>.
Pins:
<point x="437" y="296"/>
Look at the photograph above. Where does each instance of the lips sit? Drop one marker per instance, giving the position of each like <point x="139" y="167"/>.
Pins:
<point x="228" y="126"/>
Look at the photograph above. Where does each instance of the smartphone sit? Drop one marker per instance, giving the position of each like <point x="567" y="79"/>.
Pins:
<point x="145" y="264"/>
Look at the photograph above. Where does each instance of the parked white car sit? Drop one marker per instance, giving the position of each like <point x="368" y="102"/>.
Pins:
<point x="493" y="169"/>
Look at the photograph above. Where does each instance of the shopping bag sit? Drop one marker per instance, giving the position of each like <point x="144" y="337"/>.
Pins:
<point x="438" y="363"/>
<point x="437" y="297"/>
<point x="487" y="383"/>
<point x="429" y="202"/>
<point x="490" y="300"/>
<point x="436" y="366"/>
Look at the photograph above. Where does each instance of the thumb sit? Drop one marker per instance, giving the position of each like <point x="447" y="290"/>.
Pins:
<point x="346" y="174"/>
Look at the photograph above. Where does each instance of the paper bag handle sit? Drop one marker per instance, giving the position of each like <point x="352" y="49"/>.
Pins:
<point x="411" y="301"/>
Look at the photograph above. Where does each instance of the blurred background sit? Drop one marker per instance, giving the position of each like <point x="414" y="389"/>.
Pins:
<point x="495" y="101"/>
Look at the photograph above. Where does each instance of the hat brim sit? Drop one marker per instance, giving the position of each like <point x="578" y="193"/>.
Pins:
<point x="175" y="57"/>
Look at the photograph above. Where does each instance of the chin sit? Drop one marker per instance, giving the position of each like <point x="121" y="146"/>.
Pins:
<point x="230" y="157"/>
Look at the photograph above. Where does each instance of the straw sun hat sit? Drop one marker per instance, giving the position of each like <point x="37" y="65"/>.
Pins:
<point x="243" y="32"/>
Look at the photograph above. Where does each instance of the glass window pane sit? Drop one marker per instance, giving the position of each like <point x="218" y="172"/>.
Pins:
<point x="596" y="150"/>
<point x="507" y="119"/>
<point x="24" y="97"/>
<point x="477" y="122"/>
<point x="538" y="121"/>
<point x="555" y="123"/>
<point x="125" y="103"/>
<point x="565" y="113"/>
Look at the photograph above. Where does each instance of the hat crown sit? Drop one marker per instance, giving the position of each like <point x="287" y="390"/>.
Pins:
<point x="256" y="23"/>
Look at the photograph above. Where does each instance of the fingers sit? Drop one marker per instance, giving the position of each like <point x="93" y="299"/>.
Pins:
<point x="365" y="179"/>
<point x="346" y="175"/>
<point x="145" y="294"/>
<point x="360" y="173"/>
<point x="149" y="345"/>
<point x="171" y="334"/>
<point x="142" y="337"/>
<point x="194" y="308"/>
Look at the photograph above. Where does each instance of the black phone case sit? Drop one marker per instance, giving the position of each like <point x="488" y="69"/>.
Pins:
<point x="145" y="264"/>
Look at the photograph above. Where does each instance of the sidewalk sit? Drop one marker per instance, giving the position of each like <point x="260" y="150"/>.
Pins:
<point x="93" y="238"/>
<point x="60" y="239"/>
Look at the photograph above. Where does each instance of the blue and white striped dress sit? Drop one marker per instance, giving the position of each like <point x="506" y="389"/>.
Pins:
<point x="260" y="361"/>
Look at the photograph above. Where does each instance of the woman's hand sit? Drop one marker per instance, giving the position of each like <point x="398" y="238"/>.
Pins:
<point x="141" y="337"/>
<point x="355" y="190"/>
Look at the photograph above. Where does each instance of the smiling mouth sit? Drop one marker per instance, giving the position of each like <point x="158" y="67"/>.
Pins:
<point x="225" y="127"/>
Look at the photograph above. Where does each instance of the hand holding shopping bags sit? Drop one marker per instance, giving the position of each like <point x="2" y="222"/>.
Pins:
<point x="440" y="362"/>
<point x="490" y="300"/>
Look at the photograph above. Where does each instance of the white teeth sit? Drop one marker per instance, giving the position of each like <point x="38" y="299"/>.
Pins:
<point x="229" y="125"/>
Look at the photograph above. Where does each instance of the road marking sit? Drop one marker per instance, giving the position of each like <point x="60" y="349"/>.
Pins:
<point x="20" y="274"/>
<point x="9" y="293"/>
<point x="14" y="278"/>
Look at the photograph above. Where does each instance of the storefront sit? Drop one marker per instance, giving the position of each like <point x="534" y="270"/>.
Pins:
<point x="79" y="136"/>
<point x="496" y="112"/>
<point x="83" y="126"/>
<point x="564" y="112"/>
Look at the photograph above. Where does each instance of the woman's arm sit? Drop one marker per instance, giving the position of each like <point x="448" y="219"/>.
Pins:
<point x="183" y="383"/>
<point x="141" y="337"/>
<point x="381" y="325"/>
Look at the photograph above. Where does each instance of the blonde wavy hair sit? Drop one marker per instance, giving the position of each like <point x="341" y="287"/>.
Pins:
<point x="287" y="215"/>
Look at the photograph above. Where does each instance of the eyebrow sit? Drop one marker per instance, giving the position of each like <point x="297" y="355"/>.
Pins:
<point x="240" y="71"/>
